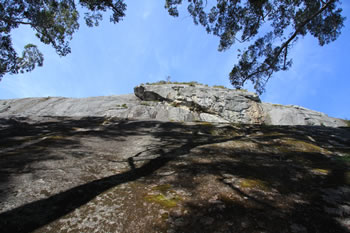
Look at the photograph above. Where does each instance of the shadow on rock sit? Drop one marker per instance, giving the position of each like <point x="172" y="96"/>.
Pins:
<point x="224" y="177"/>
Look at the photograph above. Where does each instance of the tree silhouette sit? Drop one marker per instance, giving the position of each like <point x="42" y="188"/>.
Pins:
<point x="269" y="28"/>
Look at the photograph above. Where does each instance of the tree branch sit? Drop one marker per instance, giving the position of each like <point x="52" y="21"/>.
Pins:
<point x="285" y="44"/>
<point x="301" y="27"/>
<point x="285" y="57"/>
<point x="267" y="14"/>
<point x="9" y="21"/>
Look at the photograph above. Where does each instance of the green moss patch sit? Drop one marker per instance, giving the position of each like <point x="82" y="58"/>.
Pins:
<point x="163" y="188"/>
<point x="145" y="103"/>
<point x="253" y="184"/>
<point x="163" y="195"/>
<point x="347" y="122"/>
<point x="55" y="137"/>
<point x="321" y="171"/>
<point x="205" y="123"/>
<point x="219" y="86"/>
<point x="122" y="106"/>
<point x="290" y="144"/>
<point x="162" y="200"/>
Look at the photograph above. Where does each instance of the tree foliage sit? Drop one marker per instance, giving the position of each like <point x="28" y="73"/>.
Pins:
<point x="54" y="22"/>
<point x="269" y="28"/>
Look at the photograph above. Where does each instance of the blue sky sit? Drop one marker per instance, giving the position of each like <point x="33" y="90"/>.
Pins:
<point x="149" y="45"/>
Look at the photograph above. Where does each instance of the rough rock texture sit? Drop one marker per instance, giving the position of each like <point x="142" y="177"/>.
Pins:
<point x="103" y="174"/>
<point x="212" y="104"/>
<point x="276" y="114"/>
<point x="172" y="102"/>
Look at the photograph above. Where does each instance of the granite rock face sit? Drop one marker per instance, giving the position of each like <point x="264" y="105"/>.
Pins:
<point x="172" y="102"/>
<point x="104" y="174"/>
<point x="211" y="104"/>
<point x="276" y="114"/>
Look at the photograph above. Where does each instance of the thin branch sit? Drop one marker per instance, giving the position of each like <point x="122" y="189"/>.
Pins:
<point x="21" y="22"/>
<point x="285" y="44"/>
<point x="267" y="14"/>
<point x="301" y="27"/>
<point x="240" y="41"/>
<point x="114" y="8"/>
<point x="285" y="57"/>
<point x="10" y="21"/>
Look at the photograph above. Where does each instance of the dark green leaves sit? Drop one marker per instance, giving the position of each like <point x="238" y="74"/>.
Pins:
<point x="118" y="8"/>
<point x="54" y="22"/>
<point x="10" y="63"/>
<point x="7" y="55"/>
<point x="31" y="57"/>
<point x="92" y="18"/>
<point x="271" y="27"/>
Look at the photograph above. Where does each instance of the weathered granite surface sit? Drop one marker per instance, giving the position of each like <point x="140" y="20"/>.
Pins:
<point x="224" y="104"/>
<point x="103" y="174"/>
<point x="276" y="114"/>
<point x="172" y="102"/>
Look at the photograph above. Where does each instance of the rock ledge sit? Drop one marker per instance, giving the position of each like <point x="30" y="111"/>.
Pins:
<point x="172" y="102"/>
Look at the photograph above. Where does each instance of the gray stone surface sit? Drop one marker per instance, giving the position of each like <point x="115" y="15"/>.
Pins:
<point x="295" y="115"/>
<point x="172" y="102"/>
<point x="219" y="104"/>
<point x="103" y="174"/>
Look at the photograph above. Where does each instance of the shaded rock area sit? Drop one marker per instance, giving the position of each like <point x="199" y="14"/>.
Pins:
<point x="106" y="174"/>
<point x="172" y="102"/>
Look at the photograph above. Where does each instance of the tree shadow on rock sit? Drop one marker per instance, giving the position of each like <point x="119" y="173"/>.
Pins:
<point x="174" y="142"/>
<point x="241" y="178"/>
<point x="266" y="185"/>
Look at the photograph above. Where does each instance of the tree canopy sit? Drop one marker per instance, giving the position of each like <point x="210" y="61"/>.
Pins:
<point x="268" y="28"/>
<point x="54" y="21"/>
